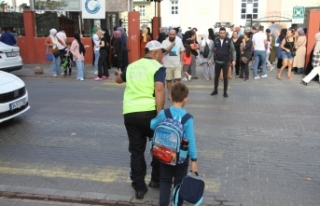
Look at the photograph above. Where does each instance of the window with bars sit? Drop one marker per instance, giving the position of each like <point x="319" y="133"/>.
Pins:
<point x="246" y="5"/>
<point x="142" y="10"/>
<point x="174" y="7"/>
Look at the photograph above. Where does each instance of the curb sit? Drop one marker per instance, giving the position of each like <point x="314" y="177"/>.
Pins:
<point x="50" y="77"/>
<point x="17" y="195"/>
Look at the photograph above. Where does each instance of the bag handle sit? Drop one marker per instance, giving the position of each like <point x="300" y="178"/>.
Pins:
<point x="191" y="172"/>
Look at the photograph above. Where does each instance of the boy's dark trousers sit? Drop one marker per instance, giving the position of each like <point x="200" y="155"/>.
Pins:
<point x="224" y="66"/>
<point x="167" y="172"/>
<point x="139" y="131"/>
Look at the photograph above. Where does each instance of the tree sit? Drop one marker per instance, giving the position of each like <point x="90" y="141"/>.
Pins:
<point x="2" y="5"/>
<point x="22" y="6"/>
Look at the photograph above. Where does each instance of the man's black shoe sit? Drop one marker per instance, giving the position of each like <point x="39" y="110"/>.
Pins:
<point x="214" y="93"/>
<point x="153" y="184"/>
<point x="194" y="77"/>
<point x="140" y="193"/>
<point x="225" y="95"/>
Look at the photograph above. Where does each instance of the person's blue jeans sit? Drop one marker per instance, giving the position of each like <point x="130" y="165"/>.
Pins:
<point x="167" y="172"/>
<point x="80" y="69"/>
<point x="55" y="65"/>
<point x="96" y="59"/>
<point x="259" y="56"/>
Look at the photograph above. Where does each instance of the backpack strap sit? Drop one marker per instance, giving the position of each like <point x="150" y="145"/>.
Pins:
<point x="167" y="113"/>
<point x="185" y="118"/>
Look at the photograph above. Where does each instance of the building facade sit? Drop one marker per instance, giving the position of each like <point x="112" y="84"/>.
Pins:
<point x="204" y="14"/>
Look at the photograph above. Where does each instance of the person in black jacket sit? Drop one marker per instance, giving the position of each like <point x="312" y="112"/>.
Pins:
<point x="222" y="47"/>
<point x="118" y="49"/>
<point x="108" y="40"/>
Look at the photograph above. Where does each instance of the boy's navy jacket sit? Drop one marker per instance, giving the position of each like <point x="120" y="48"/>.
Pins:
<point x="178" y="113"/>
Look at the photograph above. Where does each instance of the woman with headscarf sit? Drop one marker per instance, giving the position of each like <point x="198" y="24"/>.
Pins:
<point x="78" y="51"/>
<point x="125" y="60"/>
<point x="315" y="62"/>
<point x="93" y="32"/>
<point x="118" y="49"/>
<point x="208" y="70"/>
<point x="299" y="59"/>
<point x="51" y="43"/>
<point x="144" y="39"/>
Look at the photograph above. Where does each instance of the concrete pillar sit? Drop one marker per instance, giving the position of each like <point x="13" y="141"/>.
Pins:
<point x="155" y="27"/>
<point x="134" y="36"/>
<point x="29" y="28"/>
<point x="313" y="28"/>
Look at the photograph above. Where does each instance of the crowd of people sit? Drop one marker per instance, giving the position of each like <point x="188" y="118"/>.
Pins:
<point x="257" y="47"/>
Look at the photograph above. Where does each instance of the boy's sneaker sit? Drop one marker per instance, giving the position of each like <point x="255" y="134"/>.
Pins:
<point x="54" y="75"/>
<point x="154" y="184"/>
<point x="184" y="79"/>
<point x="81" y="79"/>
<point x="189" y="78"/>
<point x="96" y="72"/>
<point x="98" y="79"/>
<point x="257" y="77"/>
<point x="264" y="76"/>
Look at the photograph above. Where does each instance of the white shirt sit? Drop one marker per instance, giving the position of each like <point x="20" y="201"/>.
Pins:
<point x="258" y="39"/>
<point x="63" y="37"/>
<point x="96" y="41"/>
<point x="172" y="59"/>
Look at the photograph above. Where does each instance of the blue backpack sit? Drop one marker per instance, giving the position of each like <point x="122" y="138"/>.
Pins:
<point x="166" y="142"/>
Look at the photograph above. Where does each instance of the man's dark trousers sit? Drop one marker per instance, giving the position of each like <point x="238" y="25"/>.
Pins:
<point x="224" y="66"/>
<point x="138" y="129"/>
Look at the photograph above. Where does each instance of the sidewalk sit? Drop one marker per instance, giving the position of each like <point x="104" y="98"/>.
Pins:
<point x="28" y="71"/>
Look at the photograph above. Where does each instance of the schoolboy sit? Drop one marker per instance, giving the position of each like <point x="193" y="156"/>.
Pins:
<point x="179" y="95"/>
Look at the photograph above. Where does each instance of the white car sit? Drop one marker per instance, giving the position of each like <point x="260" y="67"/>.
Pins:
<point x="13" y="96"/>
<point x="10" y="58"/>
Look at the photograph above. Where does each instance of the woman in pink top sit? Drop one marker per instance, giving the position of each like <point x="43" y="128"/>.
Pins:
<point x="78" y="51"/>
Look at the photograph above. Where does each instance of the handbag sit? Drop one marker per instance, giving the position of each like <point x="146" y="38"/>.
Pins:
<point x="48" y="56"/>
<point x="244" y="60"/>
<point x="293" y="52"/>
<point x="56" y="52"/>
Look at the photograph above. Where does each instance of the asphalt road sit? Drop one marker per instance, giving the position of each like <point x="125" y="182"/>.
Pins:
<point x="260" y="146"/>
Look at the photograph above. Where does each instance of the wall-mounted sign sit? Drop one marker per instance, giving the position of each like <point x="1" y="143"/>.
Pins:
<point x="93" y="9"/>
<point x="59" y="5"/>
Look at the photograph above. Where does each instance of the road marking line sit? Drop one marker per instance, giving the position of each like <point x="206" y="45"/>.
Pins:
<point x="86" y="173"/>
<point x="195" y="86"/>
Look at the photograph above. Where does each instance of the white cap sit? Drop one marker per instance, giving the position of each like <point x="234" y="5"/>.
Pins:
<point x="154" y="45"/>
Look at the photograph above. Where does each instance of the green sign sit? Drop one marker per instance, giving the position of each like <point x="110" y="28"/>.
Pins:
<point x="298" y="15"/>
